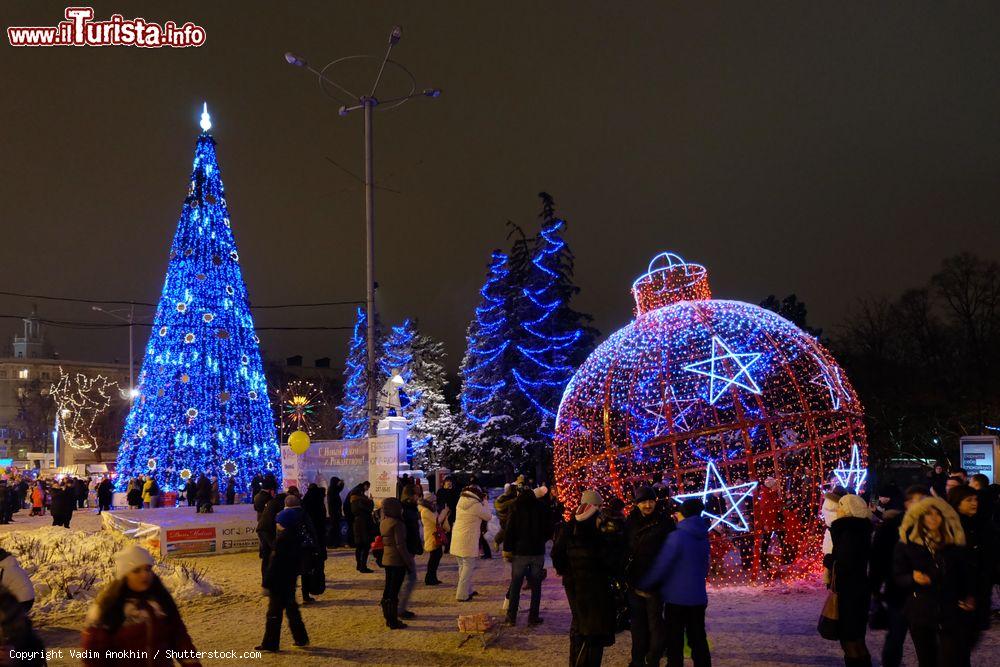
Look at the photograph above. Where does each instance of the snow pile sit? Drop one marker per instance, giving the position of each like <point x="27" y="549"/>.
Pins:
<point x="69" y="568"/>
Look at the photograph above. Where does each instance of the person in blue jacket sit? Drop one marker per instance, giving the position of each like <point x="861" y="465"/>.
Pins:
<point x="679" y="573"/>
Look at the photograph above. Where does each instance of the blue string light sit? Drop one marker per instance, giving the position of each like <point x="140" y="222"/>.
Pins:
<point x="720" y="375"/>
<point x="202" y="398"/>
<point x="484" y="366"/>
<point x="354" y="406"/>
<point x="854" y="475"/>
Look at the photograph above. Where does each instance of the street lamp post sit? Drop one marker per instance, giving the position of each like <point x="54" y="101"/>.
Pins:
<point x="368" y="103"/>
<point x="131" y="323"/>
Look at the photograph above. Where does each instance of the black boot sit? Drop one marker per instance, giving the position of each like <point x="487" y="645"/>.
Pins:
<point x="392" y="615"/>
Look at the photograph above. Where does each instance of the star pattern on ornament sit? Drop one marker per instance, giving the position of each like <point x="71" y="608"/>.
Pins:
<point x="853" y="476"/>
<point x="681" y="407"/>
<point x="720" y="375"/>
<point x="829" y="378"/>
<point x="733" y="495"/>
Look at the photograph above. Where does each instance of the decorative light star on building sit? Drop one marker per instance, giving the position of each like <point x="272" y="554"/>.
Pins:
<point x="829" y="378"/>
<point x="732" y="513"/>
<point x="720" y="374"/>
<point x="681" y="407"/>
<point x="853" y="476"/>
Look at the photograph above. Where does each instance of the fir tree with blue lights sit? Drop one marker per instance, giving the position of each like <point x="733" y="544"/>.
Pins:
<point x="202" y="403"/>
<point x="353" y="407"/>
<point x="554" y="339"/>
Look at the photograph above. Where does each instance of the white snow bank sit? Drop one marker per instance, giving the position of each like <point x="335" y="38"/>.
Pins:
<point x="69" y="568"/>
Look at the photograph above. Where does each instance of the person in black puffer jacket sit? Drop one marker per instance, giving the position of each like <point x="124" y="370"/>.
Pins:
<point x="983" y="552"/>
<point x="851" y="533"/>
<point x="646" y="528"/>
<point x="528" y="529"/>
<point x="587" y="554"/>
<point x="883" y="584"/>
<point x="363" y="527"/>
<point x="503" y="506"/>
<point x="931" y="565"/>
<point x="335" y="511"/>
<point x="267" y="532"/>
<point x="283" y="569"/>
<point x="414" y="545"/>
<point x="204" y="495"/>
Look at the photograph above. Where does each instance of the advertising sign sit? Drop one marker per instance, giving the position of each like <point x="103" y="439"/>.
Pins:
<point x="979" y="455"/>
<point x="346" y="459"/>
<point x="383" y="465"/>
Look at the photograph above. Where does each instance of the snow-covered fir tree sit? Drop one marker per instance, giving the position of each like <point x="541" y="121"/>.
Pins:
<point x="433" y="430"/>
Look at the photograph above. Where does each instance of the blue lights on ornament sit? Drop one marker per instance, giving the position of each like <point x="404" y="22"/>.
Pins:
<point x="854" y="475"/>
<point x="733" y="495"/>
<point x="202" y="348"/>
<point x="719" y="368"/>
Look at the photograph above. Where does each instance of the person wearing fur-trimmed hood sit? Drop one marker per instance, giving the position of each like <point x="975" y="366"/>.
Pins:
<point x="931" y="565"/>
<point x="848" y="564"/>
<point x="135" y="612"/>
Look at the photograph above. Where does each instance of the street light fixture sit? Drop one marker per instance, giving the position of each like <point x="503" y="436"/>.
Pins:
<point x="132" y="391"/>
<point x="367" y="104"/>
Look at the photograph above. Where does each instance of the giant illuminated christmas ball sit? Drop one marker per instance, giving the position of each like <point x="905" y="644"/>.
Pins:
<point x="715" y="397"/>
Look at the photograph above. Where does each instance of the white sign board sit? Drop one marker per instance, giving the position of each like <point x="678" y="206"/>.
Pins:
<point x="979" y="455"/>
<point x="383" y="465"/>
<point x="181" y="532"/>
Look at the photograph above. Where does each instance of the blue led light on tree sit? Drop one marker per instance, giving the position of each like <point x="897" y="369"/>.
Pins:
<point x="198" y="408"/>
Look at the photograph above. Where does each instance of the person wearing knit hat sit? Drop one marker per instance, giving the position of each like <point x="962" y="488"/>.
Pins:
<point x="286" y="561"/>
<point x="646" y="528"/>
<point x="587" y="554"/>
<point x="135" y="612"/>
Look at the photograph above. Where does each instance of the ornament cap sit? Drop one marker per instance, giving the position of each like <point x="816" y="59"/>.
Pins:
<point x="669" y="279"/>
<point x="206" y="120"/>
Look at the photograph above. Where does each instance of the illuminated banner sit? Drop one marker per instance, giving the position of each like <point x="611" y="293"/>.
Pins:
<point x="383" y="465"/>
<point x="979" y="455"/>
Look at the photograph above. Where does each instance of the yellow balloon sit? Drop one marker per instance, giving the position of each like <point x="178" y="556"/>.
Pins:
<point x="299" y="442"/>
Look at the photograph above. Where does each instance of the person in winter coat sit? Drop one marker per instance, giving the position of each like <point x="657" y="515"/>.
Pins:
<point x="981" y="545"/>
<point x="314" y="504"/>
<point x="363" y="526"/>
<point x="267" y="533"/>
<point x="470" y="512"/>
<point x="503" y="505"/>
<point x="883" y="584"/>
<point x="149" y="493"/>
<point x="432" y="519"/>
<point x="335" y="512"/>
<point x="313" y="555"/>
<point x="256" y="484"/>
<point x="134" y="493"/>
<point x="191" y="491"/>
<point x="528" y="529"/>
<point x="135" y="612"/>
<point x="282" y="571"/>
<point x="931" y="565"/>
<point x="204" y="495"/>
<point x="216" y="498"/>
<point x="587" y="554"/>
<point x="17" y="634"/>
<point x="414" y="545"/>
<point x="261" y="500"/>
<point x="767" y="519"/>
<point x="831" y="502"/>
<point x="105" y="494"/>
<point x="396" y="559"/>
<point x="62" y="504"/>
<point x="447" y="496"/>
<point x="646" y="529"/>
<point x="230" y="491"/>
<point x="37" y="499"/>
<point x="15" y="580"/>
<point x="848" y="566"/>
<point x="679" y="574"/>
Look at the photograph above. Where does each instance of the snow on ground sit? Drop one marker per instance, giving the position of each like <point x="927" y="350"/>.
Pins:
<point x="746" y="626"/>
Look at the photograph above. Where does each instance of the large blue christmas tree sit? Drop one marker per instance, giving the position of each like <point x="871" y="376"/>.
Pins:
<point x="202" y="404"/>
<point x="353" y="407"/>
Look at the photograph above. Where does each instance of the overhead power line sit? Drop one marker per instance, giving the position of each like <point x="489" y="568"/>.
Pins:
<point x="97" y="326"/>
<point x="127" y="302"/>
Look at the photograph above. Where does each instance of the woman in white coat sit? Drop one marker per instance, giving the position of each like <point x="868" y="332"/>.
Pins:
<point x="471" y="512"/>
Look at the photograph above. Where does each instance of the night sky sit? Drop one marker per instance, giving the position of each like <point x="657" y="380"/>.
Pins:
<point x="832" y="151"/>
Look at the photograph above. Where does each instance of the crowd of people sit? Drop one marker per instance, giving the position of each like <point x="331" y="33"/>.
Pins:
<point x="921" y="563"/>
<point x="59" y="497"/>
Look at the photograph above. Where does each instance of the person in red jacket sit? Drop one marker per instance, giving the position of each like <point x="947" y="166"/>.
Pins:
<point x="767" y="518"/>
<point x="135" y="613"/>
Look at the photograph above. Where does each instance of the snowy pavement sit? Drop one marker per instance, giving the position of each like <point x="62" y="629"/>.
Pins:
<point x="748" y="626"/>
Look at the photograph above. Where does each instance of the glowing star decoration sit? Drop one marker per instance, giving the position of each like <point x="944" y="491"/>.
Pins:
<point x="829" y="378"/>
<point x="733" y="496"/>
<point x="853" y="476"/>
<point x="725" y="369"/>
<point x="299" y="405"/>
<point x="206" y="120"/>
